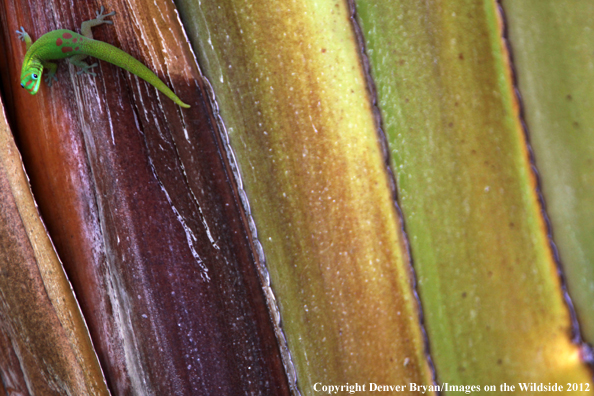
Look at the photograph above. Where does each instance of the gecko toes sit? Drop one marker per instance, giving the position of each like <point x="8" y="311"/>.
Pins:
<point x="100" y="15"/>
<point x="86" y="72"/>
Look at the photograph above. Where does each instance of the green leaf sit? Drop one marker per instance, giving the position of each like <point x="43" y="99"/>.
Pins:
<point x="488" y="282"/>
<point x="553" y="49"/>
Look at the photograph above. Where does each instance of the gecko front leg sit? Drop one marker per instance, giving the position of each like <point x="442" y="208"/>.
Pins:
<point x="24" y="36"/>
<point x="51" y="74"/>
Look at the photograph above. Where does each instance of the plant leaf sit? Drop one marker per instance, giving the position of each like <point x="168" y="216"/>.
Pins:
<point x="488" y="282"/>
<point x="554" y="60"/>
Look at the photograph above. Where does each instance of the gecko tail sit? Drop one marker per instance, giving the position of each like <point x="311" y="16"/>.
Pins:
<point x="111" y="54"/>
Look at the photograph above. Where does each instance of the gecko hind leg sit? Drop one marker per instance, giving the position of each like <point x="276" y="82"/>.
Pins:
<point x="76" y="60"/>
<point x="85" y="27"/>
<point x="85" y="30"/>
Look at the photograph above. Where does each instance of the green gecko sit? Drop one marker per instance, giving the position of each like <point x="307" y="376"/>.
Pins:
<point x="60" y="44"/>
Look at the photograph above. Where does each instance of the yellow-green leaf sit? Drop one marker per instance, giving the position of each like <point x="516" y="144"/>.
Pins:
<point x="292" y="93"/>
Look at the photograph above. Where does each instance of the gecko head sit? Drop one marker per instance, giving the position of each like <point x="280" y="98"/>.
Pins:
<point x="30" y="79"/>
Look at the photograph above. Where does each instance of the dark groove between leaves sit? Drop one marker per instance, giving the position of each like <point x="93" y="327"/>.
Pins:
<point x="587" y="352"/>
<point x="383" y="141"/>
<point x="252" y="235"/>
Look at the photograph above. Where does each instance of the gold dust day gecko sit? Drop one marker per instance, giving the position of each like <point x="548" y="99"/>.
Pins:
<point x="60" y="44"/>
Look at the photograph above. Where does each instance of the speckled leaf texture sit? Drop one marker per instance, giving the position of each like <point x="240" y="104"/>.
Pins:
<point x="292" y="93"/>
<point x="352" y="197"/>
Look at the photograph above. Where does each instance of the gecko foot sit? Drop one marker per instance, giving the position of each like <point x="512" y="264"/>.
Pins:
<point x="50" y="78"/>
<point x="85" y="69"/>
<point x="21" y="34"/>
<point x="101" y="17"/>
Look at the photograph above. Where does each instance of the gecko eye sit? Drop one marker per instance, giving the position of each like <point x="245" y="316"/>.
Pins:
<point x="35" y="76"/>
